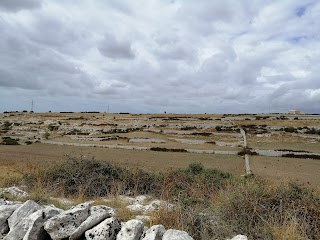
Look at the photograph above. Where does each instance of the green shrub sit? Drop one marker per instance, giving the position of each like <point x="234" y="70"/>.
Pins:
<point x="46" y="135"/>
<point x="290" y="129"/>
<point x="90" y="178"/>
<point x="159" y="149"/>
<point x="195" y="168"/>
<point x="218" y="128"/>
<point x="9" y="141"/>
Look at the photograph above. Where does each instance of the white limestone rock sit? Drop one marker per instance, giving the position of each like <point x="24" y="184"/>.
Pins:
<point x="106" y="230"/>
<point x="156" y="205"/>
<point x="135" y="207"/>
<point x="131" y="230"/>
<point x="240" y="237"/>
<point x="141" y="199"/>
<point x="154" y="233"/>
<point x="6" y="202"/>
<point x="134" y="200"/>
<point x="173" y="234"/>
<point x="64" y="224"/>
<point x="5" y="212"/>
<point x="23" y="211"/>
<point x="36" y="230"/>
<point x="143" y="218"/>
<point x="97" y="214"/>
<point x="31" y="227"/>
<point x="14" y="191"/>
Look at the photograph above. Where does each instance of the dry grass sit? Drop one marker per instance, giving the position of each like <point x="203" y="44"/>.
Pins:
<point x="209" y="203"/>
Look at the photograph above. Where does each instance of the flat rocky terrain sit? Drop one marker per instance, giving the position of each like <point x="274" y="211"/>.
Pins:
<point x="281" y="147"/>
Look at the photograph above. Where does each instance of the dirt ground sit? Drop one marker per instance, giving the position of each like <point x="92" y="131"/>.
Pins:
<point x="35" y="154"/>
<point x="171" y="131"/>
<point x="302" y="171"/>
<point x="16" y="160"/>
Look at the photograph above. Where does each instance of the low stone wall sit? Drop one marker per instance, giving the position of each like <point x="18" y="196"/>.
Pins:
<point x="31" y="221"/>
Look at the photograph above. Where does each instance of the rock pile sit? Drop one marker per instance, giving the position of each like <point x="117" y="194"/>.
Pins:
<point x="31" y="221"/>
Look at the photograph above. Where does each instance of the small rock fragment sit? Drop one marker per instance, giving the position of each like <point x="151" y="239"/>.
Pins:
<point x="240" y="237"/>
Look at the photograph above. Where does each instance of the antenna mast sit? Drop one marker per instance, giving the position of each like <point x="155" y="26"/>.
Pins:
<point x="32" y="105"/>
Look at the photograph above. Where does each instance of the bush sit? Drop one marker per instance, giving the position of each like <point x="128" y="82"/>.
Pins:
<point x="90" y="178"/>
<point x="195" y="168"/>
<point x="290" y="129"/>
<point x="46" y="135"/>
<point x="248" y="151"/>
<point x="9" y="141"/>
<point x="159" y="149"/>
<point x="313" y="131"/>
<point x="218" y="128"/>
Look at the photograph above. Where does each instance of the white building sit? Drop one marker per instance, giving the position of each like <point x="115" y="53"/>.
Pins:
<point x="294" y="112"/>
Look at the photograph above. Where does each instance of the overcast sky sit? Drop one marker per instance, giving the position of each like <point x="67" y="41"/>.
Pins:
<point x="151" y="56"/>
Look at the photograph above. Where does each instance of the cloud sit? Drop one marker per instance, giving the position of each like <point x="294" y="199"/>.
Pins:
<point x="111" y="47"/>
<point x="16" y="5"/>
<point x="155" y="56"/>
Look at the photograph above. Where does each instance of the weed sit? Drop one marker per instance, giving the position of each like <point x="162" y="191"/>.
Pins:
<point x="9" y="141"/>
<point x="159" y="149"/>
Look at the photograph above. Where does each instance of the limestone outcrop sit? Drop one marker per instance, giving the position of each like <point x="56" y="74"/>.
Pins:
<point x="31" y="221"/>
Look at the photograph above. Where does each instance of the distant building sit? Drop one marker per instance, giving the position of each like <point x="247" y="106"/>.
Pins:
<point x="294" y="112"/>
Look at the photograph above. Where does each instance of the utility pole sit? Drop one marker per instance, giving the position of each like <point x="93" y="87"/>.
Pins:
<point x="108" y="108"/>
<point x="31" y="106"/>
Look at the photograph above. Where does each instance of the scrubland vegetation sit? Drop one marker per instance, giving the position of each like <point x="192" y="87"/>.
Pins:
<point x="150" y="155"/>
<point x="209" y="203"/>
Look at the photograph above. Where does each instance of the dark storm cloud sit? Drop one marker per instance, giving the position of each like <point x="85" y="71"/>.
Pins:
<point x="16" y="5"/>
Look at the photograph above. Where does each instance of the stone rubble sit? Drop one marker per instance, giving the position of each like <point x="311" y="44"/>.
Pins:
<point x="31" y="221"/>
<point x="139" y="204"/>
<point x="14" y="191"/>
